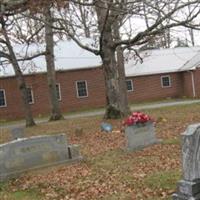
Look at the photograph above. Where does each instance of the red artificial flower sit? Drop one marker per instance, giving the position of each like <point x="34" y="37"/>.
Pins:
<point x="136" y="118"/>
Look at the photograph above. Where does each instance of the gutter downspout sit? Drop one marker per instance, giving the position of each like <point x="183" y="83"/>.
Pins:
<point x="193" y="84"/>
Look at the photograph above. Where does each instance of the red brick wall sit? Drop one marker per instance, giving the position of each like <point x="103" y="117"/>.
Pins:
<point x="69" y="101"/>
<point x="96" y="89"/>
<point x="145" y="88"/>
<point x="13" y="99"/>
<point x="150" y="88"/>
<point x="187" y="84"/>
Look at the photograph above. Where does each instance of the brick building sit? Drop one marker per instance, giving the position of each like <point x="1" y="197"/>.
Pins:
<point x="163" y="73"/>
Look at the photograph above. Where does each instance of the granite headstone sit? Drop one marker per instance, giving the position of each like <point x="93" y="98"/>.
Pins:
<point x="189" y="187"/>
<point x="140" y="136"/>
<point x="26" y="154"/>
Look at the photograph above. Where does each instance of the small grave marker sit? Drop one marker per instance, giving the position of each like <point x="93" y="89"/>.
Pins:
<point x="17" y="133"/>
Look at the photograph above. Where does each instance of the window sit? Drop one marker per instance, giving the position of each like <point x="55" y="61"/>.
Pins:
<point x="30" y="95"/>
<point x="81" y="88"/>
<point x="129" y="85"/>
<point x="2" y="98"/>
<point x="58" y="91"/>
<point x="165" y="81"/>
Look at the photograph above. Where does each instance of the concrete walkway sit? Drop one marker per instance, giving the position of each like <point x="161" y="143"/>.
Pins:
<point x="101" y="112"/>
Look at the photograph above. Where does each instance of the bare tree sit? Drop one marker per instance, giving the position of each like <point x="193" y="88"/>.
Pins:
<point x="191" y="31"/>
<point x="110" y="40"/>
<point x="123" y="102"/>
<point x="11" y="29"/>
<point x="51" y="76"/>
<point x="19" y="76"/>
<point x="40" y="13"/>
<point x="43" y="14"/>
<point x="105" y="13"/>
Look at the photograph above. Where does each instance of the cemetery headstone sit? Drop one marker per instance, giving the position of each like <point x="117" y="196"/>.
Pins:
<point x="17" y="133"/>
<point x="189" y="187"/>
<point x="78" y="131"/>
<point x="25" y="154"/>
<point x="140" y="136"/>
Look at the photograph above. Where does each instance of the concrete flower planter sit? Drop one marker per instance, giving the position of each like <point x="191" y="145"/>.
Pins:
<point x="140" y="135"/>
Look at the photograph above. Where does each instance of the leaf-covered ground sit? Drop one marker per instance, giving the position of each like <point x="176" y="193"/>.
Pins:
<point x="107" y="171"/>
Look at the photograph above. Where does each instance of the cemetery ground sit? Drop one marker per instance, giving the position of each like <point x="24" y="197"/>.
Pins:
<point x="107" y="172"/>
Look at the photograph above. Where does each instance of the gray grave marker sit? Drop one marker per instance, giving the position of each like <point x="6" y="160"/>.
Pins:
<point x="189" y="187"/>
<point x="26" y="154"/>
<point x="17" y="133"/>
<point x="138" y="137"/>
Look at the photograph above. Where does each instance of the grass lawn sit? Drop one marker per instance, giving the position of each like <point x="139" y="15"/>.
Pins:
<point x="90" y="110"/>
<point x="108" y="172"/>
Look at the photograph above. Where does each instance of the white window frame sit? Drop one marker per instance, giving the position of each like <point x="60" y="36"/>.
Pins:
<point x="131" y="85"/>
<point x="166" y="76"/>
<point x="32" y="95"/>
<point x="77" y="95"/>
<point x="59" y="90"/>
<point x="4" y="94"/>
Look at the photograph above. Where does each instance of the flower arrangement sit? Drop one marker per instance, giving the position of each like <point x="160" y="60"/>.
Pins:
<point x="137" y="118"/>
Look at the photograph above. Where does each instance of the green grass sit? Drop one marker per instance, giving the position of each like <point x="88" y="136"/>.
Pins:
<point x="25" y="195"/>
<point x="7" y="194"/>
<point x="20" y="195"/>
<point x="10" y="122"/>
<point x="108" y="160"/>
<point x="163" y="179"/>
<point x="171" y="141"/>
<point x="117" y="196"/>
<point x="147" y="174"/>
<point x="3" y="186"/>
<point x="86" y="110"/>
<point x="167" y="100"/>
<point x="158" y="198"/>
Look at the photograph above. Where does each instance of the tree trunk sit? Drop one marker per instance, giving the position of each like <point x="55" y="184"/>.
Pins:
<point x="116" y="93"/>
<point x="51" y="75"/>
<point x="20" y="80"/>
<point x="191" y="31"/>
<point x="111" y="82"/>
<point x="125" y="110"/>
<point x="122" y="83"/>
<point x="84" y="18"/>
<point x="168" y="38"/>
